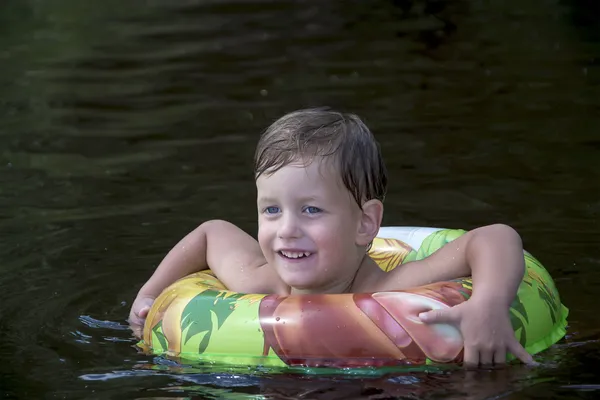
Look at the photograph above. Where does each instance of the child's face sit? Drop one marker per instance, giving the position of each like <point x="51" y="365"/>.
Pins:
<point x="308" y="223"/>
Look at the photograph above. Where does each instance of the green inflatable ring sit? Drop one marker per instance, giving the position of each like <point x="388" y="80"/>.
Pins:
<point x="197" y="319"/>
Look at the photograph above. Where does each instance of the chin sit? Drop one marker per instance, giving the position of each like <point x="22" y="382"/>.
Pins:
<point x="300" y="283"/>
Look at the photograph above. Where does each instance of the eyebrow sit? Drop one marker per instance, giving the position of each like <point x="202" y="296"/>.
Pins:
<point x="306" y="199"/>
<point x="266" y="200"/>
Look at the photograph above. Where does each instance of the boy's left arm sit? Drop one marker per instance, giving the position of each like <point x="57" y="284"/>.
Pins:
<point x="493" y="256"/>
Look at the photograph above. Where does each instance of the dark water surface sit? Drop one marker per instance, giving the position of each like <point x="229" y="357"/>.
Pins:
<point x="123" y="125"/>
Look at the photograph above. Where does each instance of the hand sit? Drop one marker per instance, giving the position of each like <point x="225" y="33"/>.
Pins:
<point x="139" y="312"/>
<point x="486" y="329"/>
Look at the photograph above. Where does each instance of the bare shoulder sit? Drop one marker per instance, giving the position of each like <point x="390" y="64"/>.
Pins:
<point x="237" y="259"/>
<point x="229" y="246"/>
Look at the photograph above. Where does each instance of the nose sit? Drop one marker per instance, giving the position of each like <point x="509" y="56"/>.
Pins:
<point x="289" y="227"/>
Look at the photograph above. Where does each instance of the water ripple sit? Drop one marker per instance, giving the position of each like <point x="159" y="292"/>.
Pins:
<point x="123" y="125"/>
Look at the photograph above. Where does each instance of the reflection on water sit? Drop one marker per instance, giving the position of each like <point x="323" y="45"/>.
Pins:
<point x="124" y="125"/>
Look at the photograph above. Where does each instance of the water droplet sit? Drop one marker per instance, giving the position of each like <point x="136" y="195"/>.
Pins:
<point x="264" y="92"/>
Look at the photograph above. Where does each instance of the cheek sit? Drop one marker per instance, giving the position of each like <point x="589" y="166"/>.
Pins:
<point x="333" y="240"/>
<point x="264" y="236"/>
<point x="338" y="240"/>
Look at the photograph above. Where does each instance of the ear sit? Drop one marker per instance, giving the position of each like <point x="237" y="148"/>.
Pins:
<point x="370" y="222"/>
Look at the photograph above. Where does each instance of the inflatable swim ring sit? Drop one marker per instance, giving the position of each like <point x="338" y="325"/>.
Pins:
<point x="197" y="319"/>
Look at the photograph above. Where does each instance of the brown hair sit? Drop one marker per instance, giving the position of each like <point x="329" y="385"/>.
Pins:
<point x="324" y="133"/>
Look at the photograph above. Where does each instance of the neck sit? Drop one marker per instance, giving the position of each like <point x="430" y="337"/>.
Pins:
<point x="337" y="287"/>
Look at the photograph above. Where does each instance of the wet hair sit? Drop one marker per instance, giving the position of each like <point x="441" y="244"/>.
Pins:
<point x="343" y="138"/>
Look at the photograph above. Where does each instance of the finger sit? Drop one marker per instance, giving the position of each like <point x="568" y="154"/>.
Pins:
<point x="471" y="358"/>
<point x="135" y="327"/>
<point x="486" y="358"/>
<point x="134" y="320"/>
<point x="137" y="331"/>
<point x="144" y="312"/>
<point x="500" y="357"/>
<point x="519" y="351"/>
<point x="438" y="316"/>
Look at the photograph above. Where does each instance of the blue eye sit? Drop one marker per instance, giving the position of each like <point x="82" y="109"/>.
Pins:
<point x="312" y="210"/>
<point x="271" y="210"/>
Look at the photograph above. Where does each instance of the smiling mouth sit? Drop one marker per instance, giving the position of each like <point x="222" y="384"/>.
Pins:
<point x="294" y="254"/>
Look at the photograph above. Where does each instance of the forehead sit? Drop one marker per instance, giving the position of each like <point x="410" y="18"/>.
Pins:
<point x="316" y="174"/>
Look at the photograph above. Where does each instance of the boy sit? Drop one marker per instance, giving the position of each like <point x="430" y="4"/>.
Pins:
<point x="321" y="182"/>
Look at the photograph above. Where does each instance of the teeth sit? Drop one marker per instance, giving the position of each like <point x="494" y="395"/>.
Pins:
<point x="295" y="254"/>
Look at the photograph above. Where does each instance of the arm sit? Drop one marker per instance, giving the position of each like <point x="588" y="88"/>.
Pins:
<point x="493" y="256"/>
<point x="233" y="255"/>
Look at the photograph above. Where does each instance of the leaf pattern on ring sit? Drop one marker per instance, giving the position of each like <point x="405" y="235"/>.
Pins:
<point x="389" y="253"/>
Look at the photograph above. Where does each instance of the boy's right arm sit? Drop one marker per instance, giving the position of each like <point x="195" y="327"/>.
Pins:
<point x="234" y="256"/>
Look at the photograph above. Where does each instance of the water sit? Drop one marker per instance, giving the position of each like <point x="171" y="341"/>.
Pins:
<point x="123" y="125"/>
